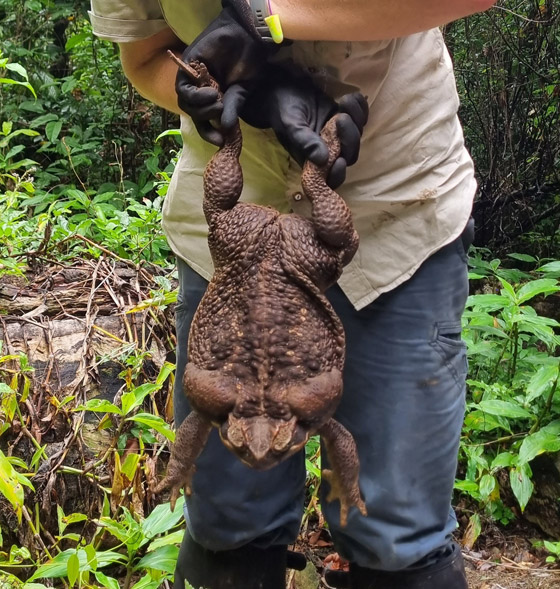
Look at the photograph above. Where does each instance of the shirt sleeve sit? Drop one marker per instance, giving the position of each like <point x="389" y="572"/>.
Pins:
<point x="121" y="21"/>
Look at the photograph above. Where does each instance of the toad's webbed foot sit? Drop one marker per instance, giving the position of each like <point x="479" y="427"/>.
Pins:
<point x="189" y="442"/>
<point x="343" y="477"/>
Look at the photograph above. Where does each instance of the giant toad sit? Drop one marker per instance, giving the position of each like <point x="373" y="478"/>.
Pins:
<point x="266" y="349"/>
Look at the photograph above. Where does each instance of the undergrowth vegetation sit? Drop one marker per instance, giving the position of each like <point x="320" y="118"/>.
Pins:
<point x="84" y="170"/>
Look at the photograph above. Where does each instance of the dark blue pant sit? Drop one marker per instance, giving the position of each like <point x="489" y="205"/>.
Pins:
<point x="403" y="401"/>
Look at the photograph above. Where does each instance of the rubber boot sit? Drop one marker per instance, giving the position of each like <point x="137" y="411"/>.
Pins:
<point x="247" y="567"/>
<point x="447" y="572"/>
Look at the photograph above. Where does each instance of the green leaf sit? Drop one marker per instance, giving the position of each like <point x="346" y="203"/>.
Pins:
<point x="508" y="290"/>
<point x="162" y="559"/>
<point x="18" y="68"/>
<point x="165" y="371"/>
<point x="553" y="547"/>
<point x="10" y="484"/>
<point x="136" y="397"/>
<point x="466" y="486"/>
<point x="56" y="568"/>
<point x="547" y="439"/>
<point x="76" y="39"/>
<point x="488" y="302"/>
<point x="162" y="519"/>
<point x="52" y="130"/>
<point x="521" y="484"/>
<point x="106" y="581"/>
<point x="522" y="257"/>
<point x="504" y="409"/>
<point x="169" y="133"/>
<point x="100" y="406"/>
<point x="73" y="569"/>
<point x="502" y="460"/>
<point x="130" y="465"/>
<point x="154" y="422"/>
<point x="486" y="485"/>
<point x="541" y="381"/>
<point x="484" y="422"/>
<point x="173" y="538"/>
<point x="537" y="287"/>
<point x="146" y="582"/>
<point x="551" y="268"/>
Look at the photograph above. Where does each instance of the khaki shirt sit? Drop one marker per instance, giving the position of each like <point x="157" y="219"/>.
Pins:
<point x="412" y="189"/>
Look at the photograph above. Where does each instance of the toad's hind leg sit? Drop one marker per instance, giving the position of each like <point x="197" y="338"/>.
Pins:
<point x="345" y="467"/>
<point x="223" y="178"/>
<point x="331" y="216"/>
<point x="190" y="440"/>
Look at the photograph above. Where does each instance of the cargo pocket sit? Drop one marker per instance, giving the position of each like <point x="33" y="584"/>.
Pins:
<point x="453" y="350"/>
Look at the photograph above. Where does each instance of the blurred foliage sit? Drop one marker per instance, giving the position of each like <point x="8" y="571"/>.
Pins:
<point x="507" y="64"/>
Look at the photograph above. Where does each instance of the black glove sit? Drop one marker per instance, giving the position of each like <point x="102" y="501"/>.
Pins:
<point x="234" y="53"/>
<point x="287" y="101"/>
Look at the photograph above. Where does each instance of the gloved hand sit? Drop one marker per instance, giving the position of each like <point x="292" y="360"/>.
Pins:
<point x="287" y="101"/>
<point x="234" y="53"/>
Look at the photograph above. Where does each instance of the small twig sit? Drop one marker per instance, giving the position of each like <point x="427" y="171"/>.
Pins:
<point x="190" y="71"/>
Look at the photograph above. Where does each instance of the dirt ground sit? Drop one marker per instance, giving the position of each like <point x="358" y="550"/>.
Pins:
<point x="502" y="559"/>
<point x="511" y="577"/>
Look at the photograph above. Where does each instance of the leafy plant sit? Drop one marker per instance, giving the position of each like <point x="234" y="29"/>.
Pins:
<point x="513" y="413"/>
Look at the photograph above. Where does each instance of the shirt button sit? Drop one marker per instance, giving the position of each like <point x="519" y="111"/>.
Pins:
<point x="298" y="196"/>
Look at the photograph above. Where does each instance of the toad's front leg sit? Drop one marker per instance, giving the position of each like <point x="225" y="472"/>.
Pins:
<point x="345" y="467"/>
<point x="190" y="440"/>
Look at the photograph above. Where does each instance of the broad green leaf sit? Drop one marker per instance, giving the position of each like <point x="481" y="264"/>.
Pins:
<point x="135" y="398"/>
<point x="553" y="547"/>
<point x="522" y="257"/>
<point x="174" y="538"/>
<point x="502" y="460"/>
<point x="541" y="381"/>
<point x="521" y="484"/>
<point x="169" y="133"/>
<point x="551" y="268"/>
<point x="100" y="406"/>
<point x="165" y="371"/>
<point x="10" y="484"/>
<point x="547" y="439"/>
<point x="57" y="566"/>
<point x="161" y="559"/>
<point x="18" y="68"/>
<point x="91" y="555"/>
<point x="146" y="582"/>
<point x="470" y="487"/>
<point x="537" y="287"/>
<point x="484" y="422"/>
<point x="73" y="569"/>
<point x="130" y="465"/>
<point x="162" y="519"/>
<point x="504" y="409"/>
<point x="486" y="485"/>
<point x="488" y="302"/>
<point x="488" y="329"/>
<point x="155" y="422"/>
<point x="74" y="518"/>
<point x="508" y="290"/>
<point x="76" y="40"/>
<point x="52" y="130"/>
<point x="106" y="581"/>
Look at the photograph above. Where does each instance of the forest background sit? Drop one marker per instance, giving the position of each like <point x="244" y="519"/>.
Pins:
<point x="87" y="287"/>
